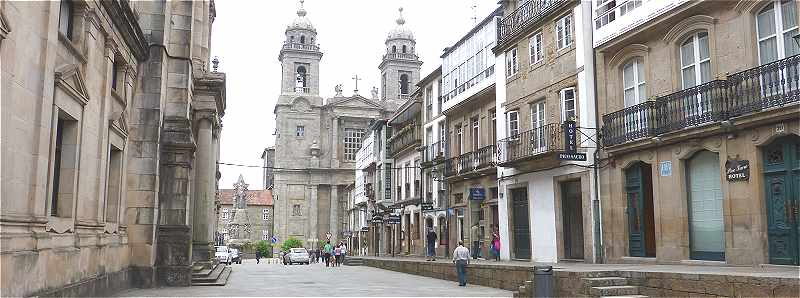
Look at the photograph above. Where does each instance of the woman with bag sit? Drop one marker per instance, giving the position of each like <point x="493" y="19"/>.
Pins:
<point x="496" y="245"/>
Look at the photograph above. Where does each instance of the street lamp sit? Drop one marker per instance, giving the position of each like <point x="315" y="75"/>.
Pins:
<point x="797" y="39"/>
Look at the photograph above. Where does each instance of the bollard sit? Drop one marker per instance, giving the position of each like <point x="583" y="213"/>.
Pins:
<point x="543" y="281"/>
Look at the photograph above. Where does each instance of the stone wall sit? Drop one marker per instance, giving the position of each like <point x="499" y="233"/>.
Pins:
<point x="496" y="276"/>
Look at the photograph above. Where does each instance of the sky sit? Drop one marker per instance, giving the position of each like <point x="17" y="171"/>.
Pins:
<point x="247" y="36"/>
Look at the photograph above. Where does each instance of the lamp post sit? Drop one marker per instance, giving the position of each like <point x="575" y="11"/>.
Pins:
<point x="435" y="175"/>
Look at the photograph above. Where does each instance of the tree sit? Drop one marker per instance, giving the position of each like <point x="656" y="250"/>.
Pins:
<point x="290" y="243"/>
<point x="265" y="248"/>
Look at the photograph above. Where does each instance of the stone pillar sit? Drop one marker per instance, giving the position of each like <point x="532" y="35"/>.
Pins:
<point x="313" y="215"/>
<point x="335" y="211"/>
<point x="174" y="238"/>
<point x="203" y="197"/>
<point x="335" y="142"/>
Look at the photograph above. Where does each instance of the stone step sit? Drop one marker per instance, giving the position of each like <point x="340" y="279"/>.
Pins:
<point x="221" y="281"/>
<point x="614" y="291"/>
<point x="605" y="281"/>
<point x="202" y="272"/>
<point x="212" y="276"/>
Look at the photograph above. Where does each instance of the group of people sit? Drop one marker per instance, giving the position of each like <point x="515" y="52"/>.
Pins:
<point x="332" y="255"/>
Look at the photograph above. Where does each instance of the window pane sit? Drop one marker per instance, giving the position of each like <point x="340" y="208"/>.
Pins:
<point x="768" y="50"/>
<point x="705" y="71"/>
<point x="789" y="13"/>
<point x="688" y="77"/>
<point x="630" y="97"/>
<point x="639" y="71"/>
<point x="789" y="44"/>
<point x="641" y="93"/>
<point x="627" y="75"/>
<point x="766" y="23"/>
<point x="703" y="43"/>
<point x="687" y="53"/>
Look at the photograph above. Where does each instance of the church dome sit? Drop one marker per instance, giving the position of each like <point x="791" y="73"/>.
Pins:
<point x="301" y="21"/>
<point x="401" y="31"/>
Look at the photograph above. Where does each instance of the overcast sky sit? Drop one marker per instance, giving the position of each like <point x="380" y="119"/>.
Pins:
<point x="247" y="36"/>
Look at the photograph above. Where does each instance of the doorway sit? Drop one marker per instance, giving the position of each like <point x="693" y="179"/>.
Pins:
<point x="706" y="234"/>
<point x="521" y="223"/>
<point x="641" y="219"/>
<point x="782" y="183"/>
<point x="572" y="219"/>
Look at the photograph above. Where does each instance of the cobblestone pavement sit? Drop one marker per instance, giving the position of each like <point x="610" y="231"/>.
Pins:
<point x="251" y="279"/>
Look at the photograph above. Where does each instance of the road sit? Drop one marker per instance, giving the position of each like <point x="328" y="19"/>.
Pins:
<point x="251" y="279"/>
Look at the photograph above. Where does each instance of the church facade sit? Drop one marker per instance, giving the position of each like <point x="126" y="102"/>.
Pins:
<point x="317" y="139"/>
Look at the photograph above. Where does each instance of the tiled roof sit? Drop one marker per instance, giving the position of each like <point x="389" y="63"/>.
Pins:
<point x="255" y="197"/>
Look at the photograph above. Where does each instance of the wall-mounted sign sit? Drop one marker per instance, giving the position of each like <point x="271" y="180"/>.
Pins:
<point x="737" y="170"/>
<point x="426" y="206"/>
<point x="572" y="156"/>
<point x="665" y="168"/>
<point x="477" y="193"/>
<point x="394" y="219"/>
<point x="571" y="143"/>
<point x="377" y="220"/>
<point x="365" y="229"/>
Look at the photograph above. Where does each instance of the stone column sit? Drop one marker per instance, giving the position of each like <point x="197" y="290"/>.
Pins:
<point x="204" y="182"/>
<point x="335" y="142"/>
<point x="174" y="238"/>
<point x="335" y="211"/>
<point x="313" y="215"/>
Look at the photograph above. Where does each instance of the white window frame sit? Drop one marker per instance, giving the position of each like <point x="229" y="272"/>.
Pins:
<point x="538" y="140"/>
<point x="535" y="48"/>
<point x="563" y="99"/>
<point x="300" y="131"/>
<point x="459" y="138"/>
<point x="696" y="62"/>
<point x="352" y="142"/>
<point x="512" y="123"/>
<point x="638" y="83"/>
<point x="564" y="32"/>
<point x="780" y="31"/>
<point x="264" y="235"/>
<point x="225" y="213"/>
<point x="512" y="63"/>
<point x="265" y="214"/>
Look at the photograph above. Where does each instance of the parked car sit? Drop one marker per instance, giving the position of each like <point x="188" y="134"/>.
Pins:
<point x="297" y="255"/>
<point x="235" y="257"/>
<point x="223" y="254"/>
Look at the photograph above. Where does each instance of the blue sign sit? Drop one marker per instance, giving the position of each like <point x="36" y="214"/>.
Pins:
<point x="274" y="239"/>
<point x="477" y="193"/>
<point x="665" y="168"/>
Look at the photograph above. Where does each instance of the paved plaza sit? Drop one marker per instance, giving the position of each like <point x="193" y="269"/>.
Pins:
<point x="251" y="279"/>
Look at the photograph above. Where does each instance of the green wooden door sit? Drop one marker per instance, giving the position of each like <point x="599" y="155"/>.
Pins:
<point x="634" y="189"/>
<point x="522" y="230"/>
<point x="782" y="183"/>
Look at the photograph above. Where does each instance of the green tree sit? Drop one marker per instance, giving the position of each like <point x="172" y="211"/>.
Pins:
<point x="290" y="243"/>
<point x="265" y="248"/>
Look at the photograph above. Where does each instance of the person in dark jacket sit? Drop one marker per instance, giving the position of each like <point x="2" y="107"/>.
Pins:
<point x="431" y="241"/>
<point x="258" y="257"/>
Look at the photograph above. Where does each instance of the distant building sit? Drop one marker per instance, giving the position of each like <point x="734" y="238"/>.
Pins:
<point x="259" y="211"/>
<point x="268" y="156"/>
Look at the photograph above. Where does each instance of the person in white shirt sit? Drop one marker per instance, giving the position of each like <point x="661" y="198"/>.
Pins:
<point x="344" y="251"/>
<point x="461" y="259"/>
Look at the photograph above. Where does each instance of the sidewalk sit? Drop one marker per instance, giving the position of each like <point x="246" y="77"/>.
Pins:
<point x="773" y="271"/>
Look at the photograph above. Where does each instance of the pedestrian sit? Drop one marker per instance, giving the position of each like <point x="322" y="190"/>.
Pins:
<point x="496" y="245"/>
<point x="258" y="257"/>
<point x="327" y="256"/>
<point x="338" y="252"/>
<point x="461" y="259"/>
<point x="344" y="251"/>
<point x="476" y="242"/>
<point x="431" y="241"/>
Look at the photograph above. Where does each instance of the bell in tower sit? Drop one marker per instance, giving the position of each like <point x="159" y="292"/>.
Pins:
<point x="300" y="57"/>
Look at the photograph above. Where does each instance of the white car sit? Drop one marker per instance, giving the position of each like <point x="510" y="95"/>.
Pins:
<point x="223" y="254"/>
<point x="298" y="255"/>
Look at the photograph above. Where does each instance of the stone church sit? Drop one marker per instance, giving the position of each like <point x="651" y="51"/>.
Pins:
<point x="317" y="139"/>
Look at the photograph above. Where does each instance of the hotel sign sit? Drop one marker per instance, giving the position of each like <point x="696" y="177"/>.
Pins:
<point x="571" y="143"/>
<point x="737" y="170"/>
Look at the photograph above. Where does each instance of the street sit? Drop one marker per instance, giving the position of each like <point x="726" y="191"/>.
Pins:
<point x="251" y="279"/>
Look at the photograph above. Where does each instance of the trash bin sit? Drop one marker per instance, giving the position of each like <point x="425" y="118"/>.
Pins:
<point x="543" y="281"/>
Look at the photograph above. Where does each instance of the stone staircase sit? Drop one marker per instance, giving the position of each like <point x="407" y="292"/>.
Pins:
<point x="353" y="261"/>
<point x="609" y="286"/>
<point x="217" y="275"/>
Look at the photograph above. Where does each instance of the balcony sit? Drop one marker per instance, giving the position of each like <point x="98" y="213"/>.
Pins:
<point x="304" y="90"/>
<point x="541" y="142"/>
<point x="300" y="46"/>
<point x="400" y="56"/>
<point x="485" y="74"/>
<point x="471" y="164"/>
<point x="524" y="17"/>
<point x="404" y="96"/>
<point x="407" y="137"/>
<point x="370" y="191"/>
<point x="433" y="154"/>
<point x="748" y="92"/>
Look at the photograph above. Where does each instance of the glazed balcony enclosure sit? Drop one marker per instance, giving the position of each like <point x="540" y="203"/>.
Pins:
<point x="405" y="126"/>
<point x="725" y="102"/>
<point x="408" y="136"/>
<point x="472" y="164"/>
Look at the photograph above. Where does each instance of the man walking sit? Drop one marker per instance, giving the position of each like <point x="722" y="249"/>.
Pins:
<point x="258" y="257"/>
<point x="431" y="241"/>
<point x="461" y="259"/>
<point x="327" y="256"/>
<point x="476" y="242"/>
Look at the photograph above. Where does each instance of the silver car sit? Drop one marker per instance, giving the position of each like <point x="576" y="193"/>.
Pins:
<point x="298" y="255"/>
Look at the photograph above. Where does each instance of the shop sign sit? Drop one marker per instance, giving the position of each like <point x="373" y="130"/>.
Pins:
<point x="427" y="206"/>
<point x="394" y="219"/>
<point x="737" y="170"/>
<point x="477" y="193"/>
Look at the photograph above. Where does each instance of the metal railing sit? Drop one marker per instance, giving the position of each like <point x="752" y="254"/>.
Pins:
<point x="433" y="152"/>
<point x="404" y="138"/>
<point x="302" y="89"/>
<point x="404" y="96"/>
<point x="300" y="46"/>
<point x="403" y="56"/>
<point x="526" y="15"/>
<point x="471" y="161"/>
<point x="543" y="139"/>
<point x="763" y="87"/>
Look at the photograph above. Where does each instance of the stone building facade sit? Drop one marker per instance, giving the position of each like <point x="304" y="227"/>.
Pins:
<point x="317" y="140"/>
<point x="109" y="113"/>
<point x="700" y="122"/>
<point x="259" y="211"/>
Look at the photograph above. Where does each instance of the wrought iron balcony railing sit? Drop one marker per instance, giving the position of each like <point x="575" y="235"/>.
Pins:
<point x="544" y="139"/>
<point x="766" y="86"/>
<point x="433" y="152"/>
<point x="471" y="161"/>
<point x="300" y="46"/>
<point x="403" y="56"/>
<point x="526" y="15"/>
<point x="404" y="138"/>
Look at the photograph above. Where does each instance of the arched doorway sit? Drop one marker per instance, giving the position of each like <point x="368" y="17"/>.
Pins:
<point x="641" y="219"/>
<point x="782" y="191"/>
<point x="706" y="226"/>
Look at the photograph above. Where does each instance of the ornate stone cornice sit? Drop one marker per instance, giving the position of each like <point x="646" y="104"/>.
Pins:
<point x="213" y="83"/>
<point x="125" y="21"/>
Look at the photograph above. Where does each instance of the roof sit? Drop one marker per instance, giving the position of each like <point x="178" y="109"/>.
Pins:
<point x="434" y="74"/>
<point x="256" y="198"/>
<point x="497" y="12"/>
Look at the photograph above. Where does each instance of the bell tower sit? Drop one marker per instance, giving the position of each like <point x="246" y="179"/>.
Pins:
<point x="300" y="57"/>
<point x="400" y="65"/>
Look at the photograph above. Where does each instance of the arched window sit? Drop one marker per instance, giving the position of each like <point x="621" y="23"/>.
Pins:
<point x="404" y="84"/>
<point x="776" y="24"/>
<point x="394" y="49"/>
<point x="404" y="49"/>
<point x="301" y="78"/>
<point x="633" y="82"/>
<point x="291" y="39"/>
<point x="302" y="39"/>
<point x="695" y="60"/>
